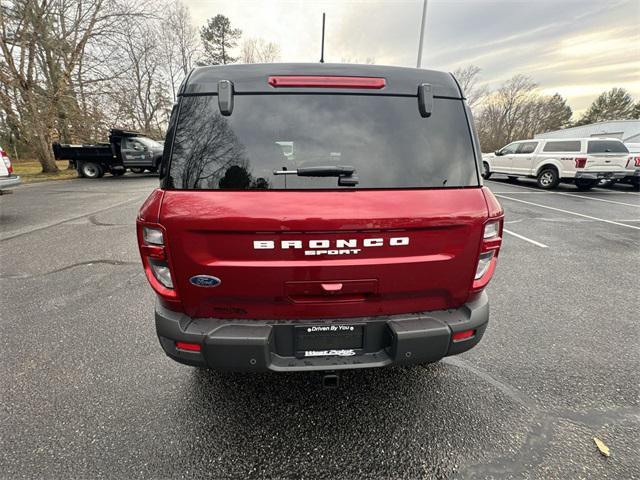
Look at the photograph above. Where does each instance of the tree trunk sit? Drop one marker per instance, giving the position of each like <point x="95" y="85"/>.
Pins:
<point x="44" y="153"/>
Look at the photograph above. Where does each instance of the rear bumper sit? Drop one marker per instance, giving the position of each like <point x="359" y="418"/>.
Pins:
<point x="10" y="181"/>
<point x="596" y="175"/>
<point x="260" y="345"/>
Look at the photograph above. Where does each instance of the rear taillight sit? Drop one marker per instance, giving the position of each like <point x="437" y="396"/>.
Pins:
<point x="637" y="161"/>
<point x="153" y="250"/>
<point x="581" y="162"/>
<point x="7" y="161"/>
<point x="491" y="242"/>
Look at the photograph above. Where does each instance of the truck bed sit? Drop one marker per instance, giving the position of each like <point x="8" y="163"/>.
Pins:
<point x="98" y="152"/>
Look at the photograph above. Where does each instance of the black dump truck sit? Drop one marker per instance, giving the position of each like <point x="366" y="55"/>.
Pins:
<point x="125" y="150"/>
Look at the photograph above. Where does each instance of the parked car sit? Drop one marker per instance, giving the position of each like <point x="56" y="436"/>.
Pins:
<point x="7" y="178"/>
<point x="582" y="161"/>
<point x="371" y="246"/>
<point x="125" y="150"/>
<point x="633" y="165"/>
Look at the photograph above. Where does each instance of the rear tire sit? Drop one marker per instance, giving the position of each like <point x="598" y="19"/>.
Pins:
<point x="90" y="170"/>
<point x="548" y="178"/>
<point x="137" y="169"/>
<point x="486" y="174"/>
<point x="585" y="185"/>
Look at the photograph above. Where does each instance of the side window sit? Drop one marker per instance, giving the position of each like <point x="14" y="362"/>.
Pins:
<point x="130" y="144"/>
<point x="527" y="147"/>
<point x="510" y="149"/>
<point x="562" y="146"/>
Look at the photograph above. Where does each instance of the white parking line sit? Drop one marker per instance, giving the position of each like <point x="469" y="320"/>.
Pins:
<point x="637" y="205"/>
<point x="569" y="212"/>
<point x="521" y="237"/>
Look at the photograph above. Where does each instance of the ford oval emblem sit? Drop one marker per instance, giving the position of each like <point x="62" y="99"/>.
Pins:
<point x="205" y="281"/>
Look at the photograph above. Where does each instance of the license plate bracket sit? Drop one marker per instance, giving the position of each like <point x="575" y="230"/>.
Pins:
<point x="328" y="340"/>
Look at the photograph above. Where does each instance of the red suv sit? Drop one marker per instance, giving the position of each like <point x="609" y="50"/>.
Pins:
<point x="319" y="217"/>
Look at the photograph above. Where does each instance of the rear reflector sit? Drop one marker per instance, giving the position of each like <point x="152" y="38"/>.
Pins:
<point x="464" y="335"/>
<point x="191" y="347"/>
<point x="327" y="82"/>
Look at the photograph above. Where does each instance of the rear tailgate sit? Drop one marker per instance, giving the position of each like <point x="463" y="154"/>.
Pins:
<point x="606" y="155"/>
<point x="346" y="253"/>
<point x="607" y="162"/>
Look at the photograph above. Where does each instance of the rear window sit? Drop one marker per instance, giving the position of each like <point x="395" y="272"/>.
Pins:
<point x="606" y="146"/>
<point x="562" y="146"/>
<point x="383" y="137"/>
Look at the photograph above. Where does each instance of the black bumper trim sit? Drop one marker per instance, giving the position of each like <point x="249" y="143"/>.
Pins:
<point x="259" y="345"/>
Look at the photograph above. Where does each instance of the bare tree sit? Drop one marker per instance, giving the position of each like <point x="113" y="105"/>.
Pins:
<point x="516" y="111"/>
<point x="44" y="72"/>
<point x="41" y="44"/>
<point x="141" y="92"/>
<point x="257" y="50"/>
<point x="180" y="44"/>
<point x="468" y="79"/>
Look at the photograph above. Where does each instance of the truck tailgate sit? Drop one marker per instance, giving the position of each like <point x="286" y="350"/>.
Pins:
<point x="316" y="254"/>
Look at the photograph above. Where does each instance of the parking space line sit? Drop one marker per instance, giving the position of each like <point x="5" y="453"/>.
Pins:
<point x="636" y="205"/>
<point x="522" y="237"/>
<point x="569" y="212"/>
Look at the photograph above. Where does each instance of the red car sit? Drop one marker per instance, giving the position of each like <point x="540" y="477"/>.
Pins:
<point x="319" y="217"/>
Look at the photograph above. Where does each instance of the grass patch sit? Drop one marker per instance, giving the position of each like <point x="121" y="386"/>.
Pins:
<point x="30" y="171"/>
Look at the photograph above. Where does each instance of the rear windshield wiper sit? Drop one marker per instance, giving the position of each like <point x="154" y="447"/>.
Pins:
<point x="345" y="173"/>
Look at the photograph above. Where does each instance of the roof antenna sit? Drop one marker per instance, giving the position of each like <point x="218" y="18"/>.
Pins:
<point x="322" y="49"/>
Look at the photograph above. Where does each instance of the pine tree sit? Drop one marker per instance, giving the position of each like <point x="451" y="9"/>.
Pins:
<point x="616" y="104"/>
<point x="218" y="38"/>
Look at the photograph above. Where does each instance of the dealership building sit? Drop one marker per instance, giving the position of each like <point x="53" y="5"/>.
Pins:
<point x="626" y="130"/>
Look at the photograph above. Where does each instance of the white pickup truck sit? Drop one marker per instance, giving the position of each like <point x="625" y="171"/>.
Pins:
<point x="7" y="178"/>
<point x="583" y="161"/>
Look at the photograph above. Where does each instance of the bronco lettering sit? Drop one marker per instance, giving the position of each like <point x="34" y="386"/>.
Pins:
<point x="340" y="245"/>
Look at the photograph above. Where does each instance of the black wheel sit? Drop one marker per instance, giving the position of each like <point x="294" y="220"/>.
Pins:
<point x="90" y="170"/>
<point x="137" y="169"/>
<point x="548" y="178"/>
<point x="584" y="185"/>
<point x="486" y="174"/>
<point x="512" y="179"/>
<point x="118" y="173"/>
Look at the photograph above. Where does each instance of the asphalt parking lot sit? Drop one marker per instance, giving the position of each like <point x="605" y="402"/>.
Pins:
<point x="88" y="393"/>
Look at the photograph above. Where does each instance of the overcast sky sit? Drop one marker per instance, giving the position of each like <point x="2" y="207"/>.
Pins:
<point x="578" y="48"/>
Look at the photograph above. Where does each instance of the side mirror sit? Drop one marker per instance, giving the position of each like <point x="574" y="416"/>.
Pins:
<point x="498" y="153"/>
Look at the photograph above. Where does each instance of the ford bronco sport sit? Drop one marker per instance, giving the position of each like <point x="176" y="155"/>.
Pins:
<point x="319" y="217"/>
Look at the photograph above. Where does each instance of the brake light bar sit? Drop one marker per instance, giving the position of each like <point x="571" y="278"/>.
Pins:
<point x="297" y="81"/>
